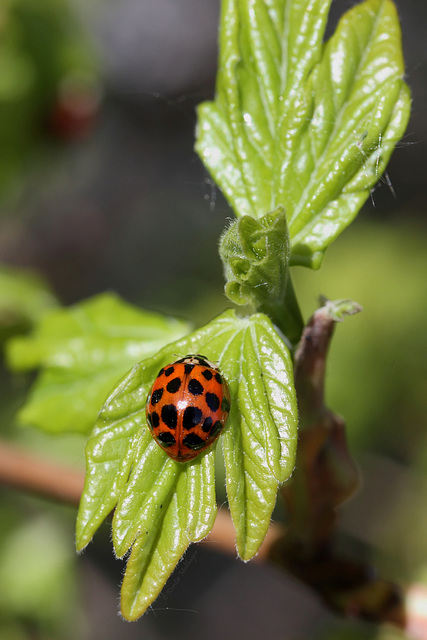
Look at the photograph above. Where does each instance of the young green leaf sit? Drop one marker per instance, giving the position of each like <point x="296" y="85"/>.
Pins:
<point x="255" y="254"/>
<point x="300" y="124"/>
<point x="260" y="441"/>
<point x="186" y="515"/>
<point x="163" y="505"/>
<point x="337" y="310"/>
<point x="82" y="351"/>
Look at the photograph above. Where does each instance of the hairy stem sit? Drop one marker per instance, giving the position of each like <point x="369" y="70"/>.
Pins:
<point x="286" y="314"/>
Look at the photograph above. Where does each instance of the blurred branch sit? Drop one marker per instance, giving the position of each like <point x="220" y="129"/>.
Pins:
<point x="325" y="476"/>
<point x="414" y="601"/>
<point x="223" y="536"/>
<point x="27" y="472"/>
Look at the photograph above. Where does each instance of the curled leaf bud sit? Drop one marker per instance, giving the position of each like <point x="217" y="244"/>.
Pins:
<point x="255" y="253"/>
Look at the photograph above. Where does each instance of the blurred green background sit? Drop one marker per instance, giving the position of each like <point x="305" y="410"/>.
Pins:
<point x="100" y="189"/>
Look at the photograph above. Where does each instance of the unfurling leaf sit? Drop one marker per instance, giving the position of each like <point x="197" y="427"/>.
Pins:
<point x="255" y="254"/>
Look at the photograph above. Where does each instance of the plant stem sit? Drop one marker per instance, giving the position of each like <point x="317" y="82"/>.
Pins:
<point x="29" y="473"/>
<point x="286" y="314"/>
<point x="326" y="475"/>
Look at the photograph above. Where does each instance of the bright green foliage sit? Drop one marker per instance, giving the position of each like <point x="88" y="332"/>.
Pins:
<point x="260" y="441"/>
<point x="24" y="298"/>
<point x="301" y="124"/>
<point x="255" y="254"/>
<point x="163" y="505"/>
<point x="187" y="497"/>
<point x="82" y="352"/>
<point x="299" y="133"/>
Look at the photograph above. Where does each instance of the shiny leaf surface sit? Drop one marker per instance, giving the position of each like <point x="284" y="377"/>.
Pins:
<point x="162" y="505"/>
<point x="300" y="124"/>
<point x="82" y="351"/>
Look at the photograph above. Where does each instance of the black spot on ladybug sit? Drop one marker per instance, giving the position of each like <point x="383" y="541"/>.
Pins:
<point x="154" y="419"/>
<point x="218" y="378"/>
<point x="188" y="368"/>
<point x="173" y="385"/>
<point x="160" y="372"/>
<point x="207" y="425"/>
<point x="193" y="441"/>
<point x="192" y="417"/>
<point x="202" y="361"/>
<point x="169" y="415"/>
<point x="212" y="401"/>
<point x="207" y="374"/>
<point x="225" y="404"/>
<point x="216" y="428"/>
<point x="156" y="396"/>
<point x="195" y="387"/>
<point x="169" y="371"/>
<point x="166" y="438"/>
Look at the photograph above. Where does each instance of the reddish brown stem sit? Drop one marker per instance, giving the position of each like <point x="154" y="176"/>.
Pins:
<point x="27" y="472"/>
<point x="325" y="476"/>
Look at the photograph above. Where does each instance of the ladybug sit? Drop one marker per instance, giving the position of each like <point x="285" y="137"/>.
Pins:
<point x="187" y="407"/>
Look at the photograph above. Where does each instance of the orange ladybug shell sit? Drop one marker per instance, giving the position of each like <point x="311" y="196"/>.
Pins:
<point x="187" y="407"/>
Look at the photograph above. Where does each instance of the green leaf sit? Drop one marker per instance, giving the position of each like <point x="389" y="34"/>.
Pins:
<point x="24" y="298"/>
<point x="82" y="352"/>
<point x="300" y="124"/>
<point x="163" y="505"/>
<point x="186" y="515"/>
<point x="260" y="441"/>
